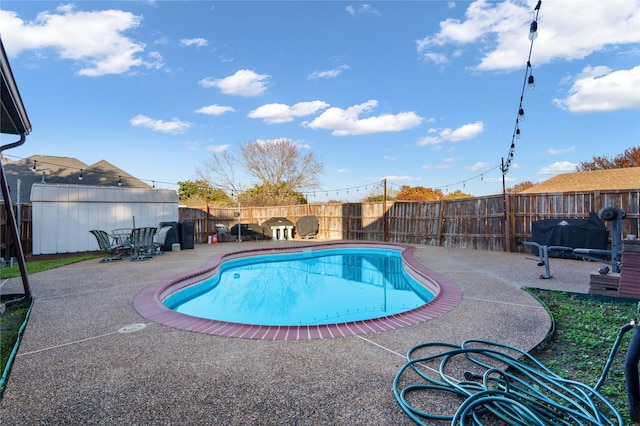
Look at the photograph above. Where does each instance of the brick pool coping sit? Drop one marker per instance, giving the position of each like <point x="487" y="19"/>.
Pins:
<point x="148" y="302"/>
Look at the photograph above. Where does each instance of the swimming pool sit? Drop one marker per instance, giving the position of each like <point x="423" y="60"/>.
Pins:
<point x="305" y="288"/>
<point x="442" y="294"/>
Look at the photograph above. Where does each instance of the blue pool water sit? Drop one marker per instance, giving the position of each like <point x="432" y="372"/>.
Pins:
<point x="305" y="288"/>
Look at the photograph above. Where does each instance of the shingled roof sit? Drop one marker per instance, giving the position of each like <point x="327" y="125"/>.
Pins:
<point x="595" y="180"/>
<point x="64" y="170"/>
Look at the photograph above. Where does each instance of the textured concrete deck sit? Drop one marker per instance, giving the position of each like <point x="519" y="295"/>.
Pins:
<point x="75" y="367"/>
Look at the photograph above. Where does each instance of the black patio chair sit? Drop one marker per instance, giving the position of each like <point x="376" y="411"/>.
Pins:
<point x="113" y="248"/>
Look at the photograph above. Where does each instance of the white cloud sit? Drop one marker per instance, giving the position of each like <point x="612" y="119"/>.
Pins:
<point x="599" y="89"/>
<point x="329" y="73"/>
<point x="94" y="40"/>
<point x="217" y="148"/>
<point x="281" y="113"/>
<point x="464" y="132"/>
<point x="214" y="110"/>
<point x="558" y="167"/>
<point x="174" y="126"/>
<point x="389" y="157"/>
<point x="200" y="42"/>
<point x="242" y="83"/>
<point x="480" y="165"/>
<point x="553" y="151"/>
<point x="343" y="171"/>
<point x="565" y="32"/>
<point x="363" y="8"/>
<point x="344" y="122"/>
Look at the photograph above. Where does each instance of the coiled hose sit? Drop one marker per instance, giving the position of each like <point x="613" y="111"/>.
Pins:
<point x="500" y="383"/>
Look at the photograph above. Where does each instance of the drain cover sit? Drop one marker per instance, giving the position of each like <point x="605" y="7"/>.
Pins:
<point x="131" y="328"/>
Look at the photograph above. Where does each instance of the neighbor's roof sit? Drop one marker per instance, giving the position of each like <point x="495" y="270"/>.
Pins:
<point x="596" y="180"/>
<point x="64" y="170"/>
<point x="13" y="116"/>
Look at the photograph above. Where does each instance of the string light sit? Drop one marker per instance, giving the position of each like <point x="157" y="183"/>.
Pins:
<point x="315" y="193"/>
<point x="34" y="169"/>
<point x="529" y="81"/>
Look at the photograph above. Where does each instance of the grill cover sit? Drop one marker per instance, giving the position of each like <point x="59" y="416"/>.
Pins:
<point x="575" y="233"/>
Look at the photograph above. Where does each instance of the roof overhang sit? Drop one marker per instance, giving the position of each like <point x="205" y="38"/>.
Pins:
<point x="13" y="116"/>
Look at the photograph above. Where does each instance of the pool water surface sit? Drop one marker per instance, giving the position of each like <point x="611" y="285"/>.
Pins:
<point x="381" y="284"/>
<point x="305" y="288"/>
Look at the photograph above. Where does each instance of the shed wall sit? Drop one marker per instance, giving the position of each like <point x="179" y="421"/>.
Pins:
<point x="63" y="215"/>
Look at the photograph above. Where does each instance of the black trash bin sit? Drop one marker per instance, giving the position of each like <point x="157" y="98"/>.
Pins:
<point x="172" y="236"/>
<point x="187" y="230"/>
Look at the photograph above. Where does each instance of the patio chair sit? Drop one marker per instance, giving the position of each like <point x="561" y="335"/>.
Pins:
<point x="108" y="245"/>
<point x="142" y="243"/>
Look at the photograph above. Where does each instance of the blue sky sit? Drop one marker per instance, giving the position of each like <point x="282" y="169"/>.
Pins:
<point x="418" y="92"/>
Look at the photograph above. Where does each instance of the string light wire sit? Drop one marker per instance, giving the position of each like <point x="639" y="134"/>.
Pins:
<point x="529" y="81"/>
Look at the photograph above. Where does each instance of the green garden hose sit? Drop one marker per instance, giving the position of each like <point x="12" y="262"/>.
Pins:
<point x="500" y="383"/>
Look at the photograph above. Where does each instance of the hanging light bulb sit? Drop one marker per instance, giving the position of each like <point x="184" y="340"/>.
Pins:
<point x="154" y="184"/>
<point x="532" y="82"/>
<point x="34" y="169"/>
<point x="518" y="133"/>
<point x="119" y="181"/>
<point x="80" y="177"/>
<point x="521" y="114"/>
<point x="533" y="30"/>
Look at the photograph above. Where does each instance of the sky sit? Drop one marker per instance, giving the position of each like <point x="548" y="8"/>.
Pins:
<point x="420" y="93"/>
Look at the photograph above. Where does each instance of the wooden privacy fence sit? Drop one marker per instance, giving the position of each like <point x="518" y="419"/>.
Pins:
<point x="7" y="247"/>
<point x="479" y="222"/>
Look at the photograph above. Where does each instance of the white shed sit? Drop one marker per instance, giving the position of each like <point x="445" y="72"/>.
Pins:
<point x="63" y="215"/>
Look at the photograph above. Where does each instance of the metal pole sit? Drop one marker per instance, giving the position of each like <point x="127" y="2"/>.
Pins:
<point x="11" y="221"/>
<point x="18" y="208"/>
<point x="239" y="226"/>
<point x="504" y="208"/>
<point x="385" y="229"/>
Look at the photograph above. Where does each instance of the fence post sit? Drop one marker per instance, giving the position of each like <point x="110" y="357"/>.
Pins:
<point x="508" y="216"/>
<point x="440" y="223"/>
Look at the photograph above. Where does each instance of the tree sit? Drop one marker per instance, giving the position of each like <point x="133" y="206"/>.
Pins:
<point x="377" y="194"/>
<point x="260" y="195"/>
<point x="629" y="158"/>
<point x="519" y="187"/>
<point x="457" y="194"/>
<point x="419" y="193"/>
<point x="200" y="191"/>
<point x="279" y="167"/>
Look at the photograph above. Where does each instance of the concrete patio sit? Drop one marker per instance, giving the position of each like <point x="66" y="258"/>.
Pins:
<point x="75" y="367"/>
